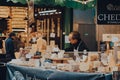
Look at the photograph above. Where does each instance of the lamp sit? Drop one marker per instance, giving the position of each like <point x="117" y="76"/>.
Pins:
<point x="48" y="11"/>
<point x="83" y="1"/>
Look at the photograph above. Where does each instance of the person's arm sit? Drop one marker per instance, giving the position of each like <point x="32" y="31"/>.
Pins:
<point x="83" y="46"/>
<point x="70" y="48"/>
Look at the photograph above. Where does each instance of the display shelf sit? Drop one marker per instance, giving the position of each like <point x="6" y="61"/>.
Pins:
<point x="4" y="11"/>
<point x="18" y="22"/>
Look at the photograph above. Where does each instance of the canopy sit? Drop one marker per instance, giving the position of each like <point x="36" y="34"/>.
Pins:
<point x="81" y="4"/>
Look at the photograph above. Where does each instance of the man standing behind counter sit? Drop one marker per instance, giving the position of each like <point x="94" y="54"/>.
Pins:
<point x="9" y="46"/>
<point x="76" y="43"/>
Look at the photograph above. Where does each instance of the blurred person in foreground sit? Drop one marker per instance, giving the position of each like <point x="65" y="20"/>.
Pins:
<point x="9" y="46"/>
<point x="76" y="44"/>
<point x="1" y="44"/>
<point x="41" y="43"/>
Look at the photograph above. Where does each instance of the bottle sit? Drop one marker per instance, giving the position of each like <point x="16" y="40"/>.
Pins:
<point x="77" y="57"/>
<point x="84" y="56"/>
<point x="85" y="52"/>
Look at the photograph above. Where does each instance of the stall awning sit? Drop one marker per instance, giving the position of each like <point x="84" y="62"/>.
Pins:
<point x="81" y="4"/>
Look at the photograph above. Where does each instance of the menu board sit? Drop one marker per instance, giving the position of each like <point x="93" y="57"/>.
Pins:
<point x="4" y="11"/>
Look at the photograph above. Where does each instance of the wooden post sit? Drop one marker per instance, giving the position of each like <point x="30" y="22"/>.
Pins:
<point x="58" y="28"/>
<point x="48" y="31"/>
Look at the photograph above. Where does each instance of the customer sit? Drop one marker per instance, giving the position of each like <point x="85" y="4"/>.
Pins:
<point x="76" y="43"/>
<point x="18" y="43"/>
<point x="41" y="43"/>
<point x="9" y="46"/>
<point x="1" y="43"/>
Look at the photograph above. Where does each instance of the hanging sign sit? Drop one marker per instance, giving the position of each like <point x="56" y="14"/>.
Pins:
<point x="108" y="11"/>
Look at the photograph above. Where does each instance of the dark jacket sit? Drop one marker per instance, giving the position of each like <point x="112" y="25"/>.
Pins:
<point x="1" y="44"/>
<point x="9" y="46"/>
<point x="80" y="45"/>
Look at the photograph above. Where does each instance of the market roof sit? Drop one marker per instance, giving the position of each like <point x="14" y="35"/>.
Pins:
<point x="81" y="4"/>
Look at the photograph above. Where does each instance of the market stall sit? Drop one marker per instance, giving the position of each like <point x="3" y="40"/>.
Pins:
<point x="87" y="66"/>
<point x="47" y="61"/>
